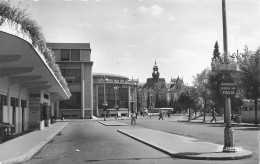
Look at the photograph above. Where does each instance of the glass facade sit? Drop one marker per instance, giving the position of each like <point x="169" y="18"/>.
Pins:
<point x="71" y="75"/>
<point x="73" y="103"/>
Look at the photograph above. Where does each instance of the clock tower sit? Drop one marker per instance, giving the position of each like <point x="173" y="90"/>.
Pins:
<point x="155" y="74"/>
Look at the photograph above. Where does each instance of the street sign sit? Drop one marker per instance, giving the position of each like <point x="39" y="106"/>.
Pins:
<point x="228" y="88"/>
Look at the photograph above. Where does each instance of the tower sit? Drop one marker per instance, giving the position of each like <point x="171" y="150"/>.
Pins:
<point x="155" y="73"/>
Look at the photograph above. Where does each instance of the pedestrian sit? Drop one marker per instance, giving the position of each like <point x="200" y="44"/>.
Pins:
<point x="213" y="115"/>
<point x="62" y="117"/>
<point x="169" y="114"/>
<point x="160" y="115"/>
<point x="133" y="118"/>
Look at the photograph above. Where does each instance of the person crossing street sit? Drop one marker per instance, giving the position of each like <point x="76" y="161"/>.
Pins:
<point x="213" y="115"/>
<point x="160" y="115"/>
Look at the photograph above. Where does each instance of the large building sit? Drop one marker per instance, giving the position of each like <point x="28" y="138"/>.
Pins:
<point x="75" y="63"/>
<point x="119" y="91"/>
<point x="157" y="88"/>
<point x="29" y="86"/>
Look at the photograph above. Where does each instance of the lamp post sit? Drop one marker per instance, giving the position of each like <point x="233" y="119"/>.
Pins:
<point x="105" y="105"/>
<point x="151" y="95"/>
<point x="116" y="106"/>
<point x="227" y="87"/>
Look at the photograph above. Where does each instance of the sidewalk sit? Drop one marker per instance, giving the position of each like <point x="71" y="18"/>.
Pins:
<point x="233" y="123"/>
<point x="23" y="148"/>
<point x="183" y="147"/>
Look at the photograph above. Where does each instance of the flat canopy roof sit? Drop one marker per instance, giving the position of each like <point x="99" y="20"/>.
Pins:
<point x="25" y="65"/>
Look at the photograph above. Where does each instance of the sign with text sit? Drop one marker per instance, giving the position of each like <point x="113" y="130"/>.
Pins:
<point x="228" y="88"/>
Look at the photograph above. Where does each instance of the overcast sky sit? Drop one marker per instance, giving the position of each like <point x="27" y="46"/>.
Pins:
<point x="127" y="36"/>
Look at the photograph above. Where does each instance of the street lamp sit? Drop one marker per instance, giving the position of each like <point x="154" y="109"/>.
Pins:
<point x="151" y="95"/>
<point x="227" y="87"/>
<point x="105" y="105"/>
<point x="116" y="106"/>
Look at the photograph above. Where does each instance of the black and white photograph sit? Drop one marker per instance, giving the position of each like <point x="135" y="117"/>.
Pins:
<point x="129" y="81"/>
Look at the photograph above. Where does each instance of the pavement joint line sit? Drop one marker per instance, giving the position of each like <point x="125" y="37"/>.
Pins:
<point x="218" y="155"/>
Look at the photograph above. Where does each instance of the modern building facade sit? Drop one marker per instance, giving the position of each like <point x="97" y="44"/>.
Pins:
<point x="75" y="63"/>
<point x="29" y="87"/>
<point x="118" y="90"/>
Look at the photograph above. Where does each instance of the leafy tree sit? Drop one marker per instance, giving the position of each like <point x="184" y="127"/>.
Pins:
<point x="157" y="101"/>
<point x="200" y="82"/>
<point x="249" y="63"/>
<point x="171" y="104"/>
<point x="148" y="101"/>
<point x="187" y="100"/>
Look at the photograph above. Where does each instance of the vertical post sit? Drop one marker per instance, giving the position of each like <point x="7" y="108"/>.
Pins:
<point x="104" y="100"/>
<point x="82" y="91"/>
<point x="150" y="96"/>
<point x="228" y="132"/>
<point x="116" y="106"/>
<point x="224" y="29"/>
<point x="105" y="106"/>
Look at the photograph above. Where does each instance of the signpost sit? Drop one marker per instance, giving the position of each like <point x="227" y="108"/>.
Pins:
<point x="228" y="88"/>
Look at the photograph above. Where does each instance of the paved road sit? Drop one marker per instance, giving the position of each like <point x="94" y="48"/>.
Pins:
<point x="91" y="142"/>
<point x="245" y="137"/>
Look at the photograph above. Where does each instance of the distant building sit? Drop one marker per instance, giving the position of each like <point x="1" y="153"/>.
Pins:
<point x="124" y="95"/>
<point x="157" y="87"/>
<point x="75" y="63"/>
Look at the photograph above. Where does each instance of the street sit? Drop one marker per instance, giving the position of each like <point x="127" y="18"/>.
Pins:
<point x="87" y="141"/>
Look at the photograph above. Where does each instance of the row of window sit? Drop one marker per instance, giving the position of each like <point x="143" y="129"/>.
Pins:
<point x="112" y="80"/>
<point x="14" y="101"/>
<point x="70" y="55"/>
<point x="71" y="75"/>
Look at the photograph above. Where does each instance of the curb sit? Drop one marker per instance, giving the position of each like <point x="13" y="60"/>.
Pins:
<point x="114" y="123"/>
<point x="33" y="151"/>
<point x="193" y="155"/>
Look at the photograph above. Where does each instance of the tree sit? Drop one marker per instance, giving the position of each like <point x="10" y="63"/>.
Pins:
<point x="187" y="100"/>
<point x="171" y="104"/>
<point x="148" y="101"/>
<point x="157" y="101"/>
<point x="249" y="74"/>
<point x="200" y="82"/>
<point x="216" y="54"/>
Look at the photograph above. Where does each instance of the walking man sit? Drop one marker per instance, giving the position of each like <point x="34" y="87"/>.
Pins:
<point x="160" y="115"/>
<point x="169" y="114"/>
<point x="213" y="115"/>
<point x="133" y="117"/>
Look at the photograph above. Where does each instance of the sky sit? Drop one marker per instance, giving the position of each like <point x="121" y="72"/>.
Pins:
<point x="127" y="36"/>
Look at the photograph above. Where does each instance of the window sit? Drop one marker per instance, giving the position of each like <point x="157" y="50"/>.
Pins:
<point x="23" y="103"/>
<point x="72" y="75"/>
<point x="14" y="102"/>
<point x="65" y="55"/>
<point x="116" y="80"/>
<point x="3" y="100"/>
<point x="73" y="103"/>
<point x="75" y="55"/>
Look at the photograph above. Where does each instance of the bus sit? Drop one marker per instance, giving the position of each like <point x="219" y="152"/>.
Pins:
<point x="166" y="110"/>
